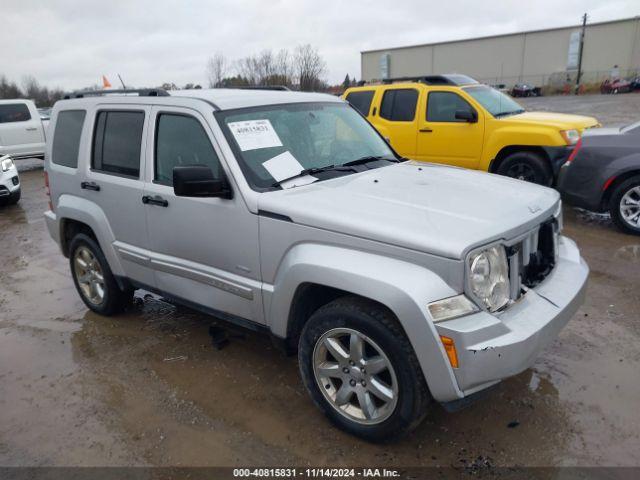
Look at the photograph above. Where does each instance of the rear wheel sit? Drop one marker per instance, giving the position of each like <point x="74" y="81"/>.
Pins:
<point x="527" y="166"/>
<point x="625" y="205"/>
<point x="360" y="369"/>
<point x="93" y="278"/>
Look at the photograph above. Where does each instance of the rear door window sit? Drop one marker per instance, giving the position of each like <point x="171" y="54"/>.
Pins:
<point x="399" y="105"/>
<point x="442" y="106"/>
<point x="361" y="101"/>
<point x="14" y="112"/>
<point x="117" y="142"/>
<point x="66" y="138"/>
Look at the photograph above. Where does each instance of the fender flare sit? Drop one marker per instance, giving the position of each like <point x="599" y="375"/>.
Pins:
<point x="405" y="288"/>
<point x="82" y="210"/>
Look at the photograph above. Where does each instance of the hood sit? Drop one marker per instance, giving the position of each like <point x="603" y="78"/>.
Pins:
<point x="431" y="208"/>
<point x="561" y="121"/>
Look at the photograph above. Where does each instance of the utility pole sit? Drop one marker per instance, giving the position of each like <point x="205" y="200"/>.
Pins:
<point x="584" y="26"/>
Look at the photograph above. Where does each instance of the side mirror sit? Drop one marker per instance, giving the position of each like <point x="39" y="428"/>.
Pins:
<point x="198" y="181"/>
<point x="466" y="115"/>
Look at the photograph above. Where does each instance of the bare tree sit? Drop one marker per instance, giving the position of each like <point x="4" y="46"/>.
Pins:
<point x="9" y="89"/>
<point x="309" y="67"/>
<point x="217" y="69"/>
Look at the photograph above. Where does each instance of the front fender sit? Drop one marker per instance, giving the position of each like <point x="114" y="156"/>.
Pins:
<point x="518" y="135"/>
<point x="82" y="210"/>
<point x="403" y="287"/>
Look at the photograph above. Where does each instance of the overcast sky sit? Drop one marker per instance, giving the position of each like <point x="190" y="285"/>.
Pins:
<point x="70" y="44"/>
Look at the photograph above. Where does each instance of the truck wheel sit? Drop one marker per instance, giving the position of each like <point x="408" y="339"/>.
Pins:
<point x="93" y="278"/>
<point x="527" y="166"/>
<point x="361" y="371"/>
<point x="625" y="205"/>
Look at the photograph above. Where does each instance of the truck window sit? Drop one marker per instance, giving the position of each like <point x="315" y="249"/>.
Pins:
<point x="399" y="105"/>
<point x="66" y="138"/>
<point x="117" y="142"/>
<point x="361" y="101"/>
<point x="442" y="106"/>
<point x="14" y="112"/>
<point x="181" y="140"/>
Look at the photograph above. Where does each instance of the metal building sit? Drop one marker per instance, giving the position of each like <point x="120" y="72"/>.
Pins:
<point x="539" y="57"/>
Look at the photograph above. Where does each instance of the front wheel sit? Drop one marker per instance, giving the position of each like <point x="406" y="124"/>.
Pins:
<point x="527" y="166"/>
<point x="625" y="205"/>
<point x="361" y="371"/>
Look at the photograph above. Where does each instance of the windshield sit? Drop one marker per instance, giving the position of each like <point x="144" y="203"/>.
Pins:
<point x="276" y="142"/>
<point x="496" y="103"/>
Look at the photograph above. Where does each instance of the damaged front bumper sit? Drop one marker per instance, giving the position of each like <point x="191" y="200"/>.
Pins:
<point x="493" y="347"/>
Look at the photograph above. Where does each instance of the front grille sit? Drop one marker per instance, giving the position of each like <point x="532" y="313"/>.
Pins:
<point x="4" y="191"/>
<point x="532" y="258"/>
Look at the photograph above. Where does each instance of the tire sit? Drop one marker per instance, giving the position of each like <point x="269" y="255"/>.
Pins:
<point x="385" y="341"/>
<point x="14" y="197"/>
<point x="527" y="166"/>
<point x="97" y="273"/>
<point x="628" y="191"/>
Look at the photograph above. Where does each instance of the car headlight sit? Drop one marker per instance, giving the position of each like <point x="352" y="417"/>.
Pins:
<point x="6" y="164"/>
<point x="570" y="136"/>
<point x="489" y="277"/>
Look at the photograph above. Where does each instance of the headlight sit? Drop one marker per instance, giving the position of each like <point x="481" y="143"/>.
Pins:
<point x="6" y="164"/>
<point x="489" y="277"/>
<point x="570" y="136"/>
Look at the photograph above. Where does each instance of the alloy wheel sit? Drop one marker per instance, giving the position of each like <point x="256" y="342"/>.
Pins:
<point x="630" y="207"/>
<point x="89" y="275"/>
<point x="355" y="376"/>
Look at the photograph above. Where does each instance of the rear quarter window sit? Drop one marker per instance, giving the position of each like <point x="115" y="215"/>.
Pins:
<point x="66" y="138"/>
<point x="14" y="112"/>
<point x="399" y="105"/>
<point x="361" y="101"/>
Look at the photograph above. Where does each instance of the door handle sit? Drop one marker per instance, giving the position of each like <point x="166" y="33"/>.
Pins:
<point x="425" y="130"/>
<point x="32" y="129"/>
<point x="157" y="200"/>
<point x="90" y="186"/>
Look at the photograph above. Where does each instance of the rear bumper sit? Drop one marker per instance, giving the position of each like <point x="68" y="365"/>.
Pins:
<point x="491" y="348"/>
<point x="52" y="225"/>
<point x="580" y="187"/>
<point x="558" y="156"/>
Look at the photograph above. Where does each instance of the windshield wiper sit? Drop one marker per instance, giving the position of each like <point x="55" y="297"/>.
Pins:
<point x="310" y="171"/>
<point x="370" y="158"/>
<point x="513" y="112"/>
<point x="343" y="167"/>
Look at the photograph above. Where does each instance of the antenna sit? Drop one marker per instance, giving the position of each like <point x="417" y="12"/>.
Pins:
<point x="124" y="87"/>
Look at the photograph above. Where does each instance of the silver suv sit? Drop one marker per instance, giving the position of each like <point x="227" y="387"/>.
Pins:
<point x="397" y="282"/>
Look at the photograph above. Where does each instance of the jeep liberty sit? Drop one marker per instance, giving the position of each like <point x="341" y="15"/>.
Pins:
<point x="397" y="282"/>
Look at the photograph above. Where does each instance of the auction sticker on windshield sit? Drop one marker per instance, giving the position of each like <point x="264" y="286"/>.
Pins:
<point x="254" y="134"/>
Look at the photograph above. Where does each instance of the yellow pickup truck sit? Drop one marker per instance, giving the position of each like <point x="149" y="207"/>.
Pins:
<point x="455" y="120"/>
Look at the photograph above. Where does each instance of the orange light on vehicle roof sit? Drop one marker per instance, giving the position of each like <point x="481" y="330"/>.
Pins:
<point x="450" y="348"/>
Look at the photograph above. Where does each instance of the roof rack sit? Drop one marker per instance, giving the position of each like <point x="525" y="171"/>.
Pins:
<point x="142" y="92"/>
<point x="448" y="79"/>
<point x="263" y="87"/>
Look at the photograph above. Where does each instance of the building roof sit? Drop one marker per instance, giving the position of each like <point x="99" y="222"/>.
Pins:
<point x="486" y="37"/>
<point x="230" y="98"/>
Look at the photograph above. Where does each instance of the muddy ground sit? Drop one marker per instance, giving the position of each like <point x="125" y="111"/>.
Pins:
<point x="148" y="388"/>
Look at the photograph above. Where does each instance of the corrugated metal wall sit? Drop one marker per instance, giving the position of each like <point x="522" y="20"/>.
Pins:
<point x="533" y="57"/>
